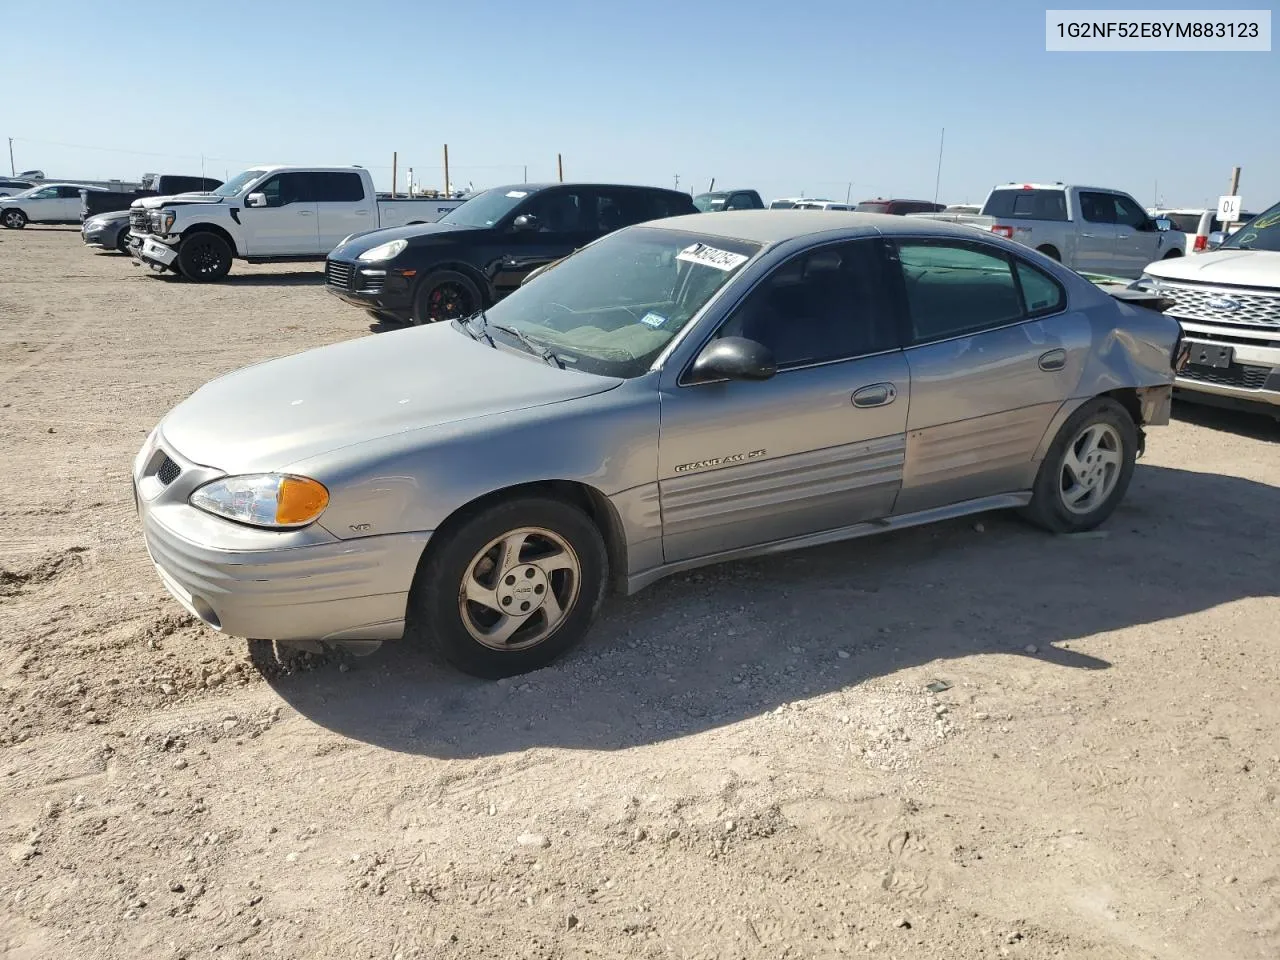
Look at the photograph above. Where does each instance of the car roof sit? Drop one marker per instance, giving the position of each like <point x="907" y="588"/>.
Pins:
<point x="534" y="187"/>
<point x="775" y="226"/>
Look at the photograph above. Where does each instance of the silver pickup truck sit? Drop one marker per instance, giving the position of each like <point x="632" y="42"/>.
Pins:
<point x="1089" y="229"/>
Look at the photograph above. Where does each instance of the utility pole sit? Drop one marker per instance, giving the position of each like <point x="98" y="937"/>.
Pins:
<point x="13" y="171"/>
<point x="560" y="167"/>
<point x="446" y="171"/>
<point x="394" y="172"/>
<point x="938" y="182"/>
<point x="712" y="185"/>
<point x="526" y="173"/>
<point x="848" y="191"/>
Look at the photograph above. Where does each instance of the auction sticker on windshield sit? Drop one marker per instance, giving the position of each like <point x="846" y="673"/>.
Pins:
<point x="652" y="319"/>
<point x="711" y="256"/>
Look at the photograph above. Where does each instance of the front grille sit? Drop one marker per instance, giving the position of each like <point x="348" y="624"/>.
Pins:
<point x="139" y="222"/>
<point x="370" y="284"/>
<point x="1247" y="375"/>
<point x="168" y="471"/>
<point x="1253" y="308"/>
<point x="338" y="274"/>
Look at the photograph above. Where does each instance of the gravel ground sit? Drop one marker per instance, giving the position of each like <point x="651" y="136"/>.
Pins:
<point x="741" y="762"/>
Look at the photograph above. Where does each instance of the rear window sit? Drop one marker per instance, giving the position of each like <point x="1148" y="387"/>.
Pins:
<point x="872" y="206"/>
<point x="1016" y="204"/>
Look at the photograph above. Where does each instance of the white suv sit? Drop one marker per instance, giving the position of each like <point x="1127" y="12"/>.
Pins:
<point x="47" y="203"/>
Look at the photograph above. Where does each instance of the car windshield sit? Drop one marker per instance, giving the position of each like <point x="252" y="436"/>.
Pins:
<point x="238" y="183"/>
<point x="710" y="201"/>
<point x="486" y="209"/>
<point x="1260" y="233"/>
<point x="611" y="307"/>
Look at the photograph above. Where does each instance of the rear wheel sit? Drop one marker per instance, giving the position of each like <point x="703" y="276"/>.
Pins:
<point x="14" y="219"/>
<point x="204" y="257"/>
<point x="445" y="295"/>
<point x="512" y="588"/>
<point x="1087" y="470"/>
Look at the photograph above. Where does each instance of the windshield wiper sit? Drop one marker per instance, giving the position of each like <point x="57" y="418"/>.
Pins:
<point x="465" y="323"/>
<point x="537" y="349"/>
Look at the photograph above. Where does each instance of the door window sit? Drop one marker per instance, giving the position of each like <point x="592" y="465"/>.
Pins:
<point x="284" y="189"/>
<point x="48" y="193"/>
<point x="956" y="288"/>
<point x="824" y="305"/>
<point x="1129" y="213"/>
<point x="68" y="193"/>
<point x="1040" y="292"/>
<point x="615" y="209"/>
<point x="336" y="187"/>
<point x="740" y="201"/>
<point x="1097" y="207"/>
<point x="556" y="211"/>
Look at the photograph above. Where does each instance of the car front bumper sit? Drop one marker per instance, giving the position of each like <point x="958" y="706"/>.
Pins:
<point x="260" y="584"/>
<point x="372" y="286"/>
<point x="1250" y="378"/>
<point x="104" y="237"/>
<point x="156" y="255"/>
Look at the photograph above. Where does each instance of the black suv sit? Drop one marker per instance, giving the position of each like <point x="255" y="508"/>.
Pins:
<point x="479" y="252"/>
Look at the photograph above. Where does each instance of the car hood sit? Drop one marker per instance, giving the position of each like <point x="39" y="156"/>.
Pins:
<point x="176" y="199"/>
<point x="1250" y="268"/>
<point x="271" y="414"/>
<point x="419" y="233"/>
<point x="108" y="216"/>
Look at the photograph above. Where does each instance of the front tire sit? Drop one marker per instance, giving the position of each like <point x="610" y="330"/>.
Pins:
<point x="122" y="242"/>
<point x="1087" y="470"/>
<point x="512" y="588"/>
<point x="14" y="219"/>
<point x="445" y="295"/>
<point x="204" y="258"/>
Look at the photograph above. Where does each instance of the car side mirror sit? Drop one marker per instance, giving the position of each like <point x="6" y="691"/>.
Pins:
<point x="1164" y="223"/>
<point x="525" y="223"/>
<point x="734" y="358"/>
<point x="256" y="200"/>
<point x="1216" y="239"/>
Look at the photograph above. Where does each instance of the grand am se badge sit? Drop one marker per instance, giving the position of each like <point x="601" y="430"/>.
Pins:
<point x="719" y="461"/>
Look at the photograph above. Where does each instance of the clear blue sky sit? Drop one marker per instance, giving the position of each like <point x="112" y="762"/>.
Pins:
<point x="786" y="98"/>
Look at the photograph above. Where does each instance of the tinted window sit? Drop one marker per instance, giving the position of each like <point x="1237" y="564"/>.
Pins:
<point x="873" y="206"/>
<point x="286" y="188"/>
<point x="781" y="205"/>
<point x="827" y="304"/>
<point x="336" y="187"/>
<point x="1015" y="204"/>
<point x="741" y="201"/>
<point x="68" y="192"/>
<point x="1040" y="292"/>
<point x="706" y="202"/>
<point x="1128" y="212"/>
<point x="1188" y="222"/>
<point x="557" y="211"/>
<point x="614" y="209"/>
<point x="1097" y="207"/>
<point x="671" y="204"/>
<point x="953" y="289"/>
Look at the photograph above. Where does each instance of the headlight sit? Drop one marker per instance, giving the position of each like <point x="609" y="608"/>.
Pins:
<point x="95" y="224"/>
<point x="162" y="220"/>
<point x="263" y="499"/>
<point x="384" y="251"/>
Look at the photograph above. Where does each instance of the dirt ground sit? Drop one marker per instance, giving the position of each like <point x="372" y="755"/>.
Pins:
<point x="741" y="762"/>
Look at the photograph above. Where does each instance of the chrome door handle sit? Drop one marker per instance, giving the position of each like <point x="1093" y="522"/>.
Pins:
<point x="1053" y="360"/>
<point x="304" y="213"/>
<point x="875" y="395"/>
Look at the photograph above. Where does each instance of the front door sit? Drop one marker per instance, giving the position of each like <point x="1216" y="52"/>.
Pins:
<point x="1098" y="236"/>
<point x="68" y="205"/>
<point x="1138" y="242"/>
<point x="557" y="225"/>
<point x="993" y="357"/>
<point x="817" y="447"/>
<point x="286" y="226"/>
<point x="341" y="207"/>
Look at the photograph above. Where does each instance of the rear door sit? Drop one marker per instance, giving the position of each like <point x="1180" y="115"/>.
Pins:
<point x="993" y="355"/>
<point x="820" y="445"/>
<point x="68" y="204"/>
<point x="286" y="226"/>
<point x="563" y="219"/>
<point x="341" y="206"/>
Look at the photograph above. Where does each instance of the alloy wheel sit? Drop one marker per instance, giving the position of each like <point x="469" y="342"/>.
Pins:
<point x="1090" y="468"/>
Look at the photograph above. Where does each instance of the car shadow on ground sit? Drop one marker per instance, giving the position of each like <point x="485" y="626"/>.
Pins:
<point x="1253" y="424"/>
<point x="727" y="643"/>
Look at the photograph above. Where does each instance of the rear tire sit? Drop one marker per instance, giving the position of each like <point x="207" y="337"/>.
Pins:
<point x="1050" y="252"/>
<point x="512" y="588"/>
<point x="13" y="219"/>
<point x="1172" y="255"/>
<point x="445" y="295"/>
<point x="204" y="258"/>
<point x="1087" y="470"/>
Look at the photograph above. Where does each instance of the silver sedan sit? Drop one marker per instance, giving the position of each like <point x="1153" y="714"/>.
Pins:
<point x="679" y="393"/>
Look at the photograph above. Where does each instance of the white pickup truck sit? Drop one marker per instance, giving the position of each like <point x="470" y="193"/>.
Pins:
<point x="1089" y="229"/>
<point x="268" y="214"/>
